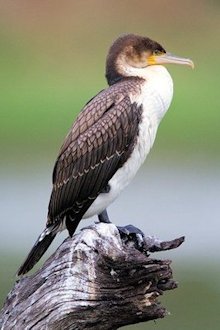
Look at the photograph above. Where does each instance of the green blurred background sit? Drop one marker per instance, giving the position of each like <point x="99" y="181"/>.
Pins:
<point x="52" y="59"/>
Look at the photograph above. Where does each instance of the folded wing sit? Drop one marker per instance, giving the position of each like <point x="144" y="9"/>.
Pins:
<point x="100" y="141"/>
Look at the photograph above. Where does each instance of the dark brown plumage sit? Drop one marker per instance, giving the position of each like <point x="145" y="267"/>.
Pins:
<point x="99" y="142"/>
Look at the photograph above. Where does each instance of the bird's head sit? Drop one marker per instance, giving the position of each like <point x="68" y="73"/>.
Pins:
<point x="130" y="54"/>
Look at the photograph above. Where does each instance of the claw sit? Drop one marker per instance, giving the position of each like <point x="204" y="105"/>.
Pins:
<point x="134" y="234"/>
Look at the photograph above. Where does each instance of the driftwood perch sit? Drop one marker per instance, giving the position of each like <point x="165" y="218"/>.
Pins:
<point x="96" y="280"/>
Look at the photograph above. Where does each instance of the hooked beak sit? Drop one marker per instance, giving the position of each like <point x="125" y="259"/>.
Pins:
<point x="169" y="58"/>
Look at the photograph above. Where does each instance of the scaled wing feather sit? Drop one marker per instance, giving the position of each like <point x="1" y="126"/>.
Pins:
<point x="100" y="141"/>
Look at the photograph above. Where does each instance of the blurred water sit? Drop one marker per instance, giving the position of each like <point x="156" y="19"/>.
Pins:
<point x="163" y="200"/>
<point x="166" y="200"/>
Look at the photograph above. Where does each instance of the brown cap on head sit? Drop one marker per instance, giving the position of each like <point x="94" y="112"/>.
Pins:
<point x="137" y="44"/>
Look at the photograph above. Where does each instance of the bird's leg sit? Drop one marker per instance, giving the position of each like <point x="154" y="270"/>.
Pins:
<point x="103" y="217"/>
<point x="132" y="233"/>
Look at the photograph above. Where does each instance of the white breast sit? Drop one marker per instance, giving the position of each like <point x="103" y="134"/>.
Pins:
<point x="155" y="98"/>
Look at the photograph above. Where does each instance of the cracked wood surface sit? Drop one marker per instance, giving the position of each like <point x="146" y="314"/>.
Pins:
<point x="96" y="280"/>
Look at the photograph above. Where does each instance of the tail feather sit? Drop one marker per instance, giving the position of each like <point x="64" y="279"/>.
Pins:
<point x="39" y="248"/>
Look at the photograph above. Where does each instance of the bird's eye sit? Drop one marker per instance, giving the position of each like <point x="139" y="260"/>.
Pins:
<point x="158" y="52"/>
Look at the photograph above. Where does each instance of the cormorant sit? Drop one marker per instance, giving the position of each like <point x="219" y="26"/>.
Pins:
<point x="110" y="138"/>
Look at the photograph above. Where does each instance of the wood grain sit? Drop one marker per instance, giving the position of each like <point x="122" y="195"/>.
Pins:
<point x="96" y="280"/>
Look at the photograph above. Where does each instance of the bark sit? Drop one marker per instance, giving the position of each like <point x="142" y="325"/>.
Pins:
<point x="96" y="280"/>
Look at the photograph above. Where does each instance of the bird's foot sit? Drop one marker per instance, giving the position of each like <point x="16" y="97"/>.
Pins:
<point x="133" y="234"/>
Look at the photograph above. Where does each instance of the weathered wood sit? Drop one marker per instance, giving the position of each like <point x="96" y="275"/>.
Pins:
<point x="95" y="280"/>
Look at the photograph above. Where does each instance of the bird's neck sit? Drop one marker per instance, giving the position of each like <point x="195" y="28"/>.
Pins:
<point x="113" y="74"/>
<point x="156" y="91"/>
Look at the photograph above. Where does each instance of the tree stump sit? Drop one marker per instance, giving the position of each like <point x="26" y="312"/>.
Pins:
<point x="95" y="280"/>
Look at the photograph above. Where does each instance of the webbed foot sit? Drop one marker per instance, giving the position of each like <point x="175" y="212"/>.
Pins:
<point x="134" y="234"/>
